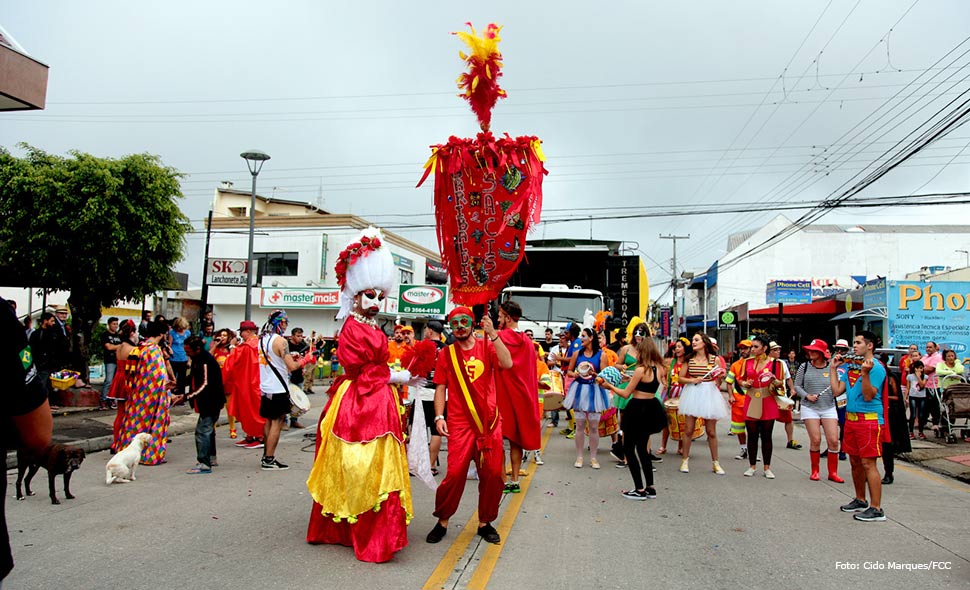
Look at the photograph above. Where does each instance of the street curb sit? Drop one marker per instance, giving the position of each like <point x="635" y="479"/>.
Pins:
<point x="183" y="425"/>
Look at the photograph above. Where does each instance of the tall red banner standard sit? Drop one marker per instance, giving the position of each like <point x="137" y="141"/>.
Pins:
<point x="487" y="190"/>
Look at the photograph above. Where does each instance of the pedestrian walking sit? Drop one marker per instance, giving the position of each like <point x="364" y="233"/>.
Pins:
<point x="207" y="397"/>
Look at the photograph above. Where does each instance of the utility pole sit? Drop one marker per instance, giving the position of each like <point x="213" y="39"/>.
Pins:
<point x="205" y="269"/>
<point x="674" y="282"/>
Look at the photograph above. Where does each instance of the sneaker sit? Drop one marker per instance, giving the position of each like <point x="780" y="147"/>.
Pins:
<point x="912" y="436"/>
<point x="793" y="444"/>
<point x="742" y="455"/>
<point x="514" y="488"/>
<point x="508" y="488"/>
<point x="594" y="463"/>
<point x="539" y="460"/>
<point x="113" y="405"/>
<point x="717" y="468"/>
<point x="887" y="479"/>
<point x="272" y="465"/>
<point x="437" y="533"/>
<point x="571" y="435"/>
<point x="871" y="515"/>
<point x="244" y="441"/>
<point x="655" y="458"/>
<point x="749" y="472"/>
<point x="769" y="474"/>
<point x="199" y="468"/>
<point x="824" y="454"/>
<point x="842" y="456"/>
<point x="684" y="468"/>
<point x="578" y="464"/>
<point x="635" y="495"/>
<point x="856" y="505"/>
<point x="565" y="431"/>
<point x="489" y="534"/>
<point x="256" y="444"/>
<point x="922" y="436"/>
<point x="621" y="465"/>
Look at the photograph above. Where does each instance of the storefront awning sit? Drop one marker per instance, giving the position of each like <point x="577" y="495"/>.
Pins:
<point x="875" y="312"/>
<point x="822" y="307"/>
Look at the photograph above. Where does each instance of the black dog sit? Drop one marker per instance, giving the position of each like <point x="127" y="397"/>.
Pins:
<point x="56" y="459"/>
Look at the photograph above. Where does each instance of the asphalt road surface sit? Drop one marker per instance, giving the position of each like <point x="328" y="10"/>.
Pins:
<point x="243" y="528"/>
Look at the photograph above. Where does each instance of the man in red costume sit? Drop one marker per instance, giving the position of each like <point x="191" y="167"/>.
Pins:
<point x="466" y="369"/>
<point x="241" y="377"/>
<point x="517" y="390"/>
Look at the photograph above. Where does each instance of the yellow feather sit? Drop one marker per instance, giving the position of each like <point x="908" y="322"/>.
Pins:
<point x="488" y="73"/>
<point x="462" y="55"/>
<point x="474" y="83"/>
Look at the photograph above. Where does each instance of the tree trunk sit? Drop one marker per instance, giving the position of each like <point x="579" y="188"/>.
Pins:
<point x="85" y="313"/>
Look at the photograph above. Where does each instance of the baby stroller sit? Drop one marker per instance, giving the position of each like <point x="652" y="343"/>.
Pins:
<point x="955" y="404"/>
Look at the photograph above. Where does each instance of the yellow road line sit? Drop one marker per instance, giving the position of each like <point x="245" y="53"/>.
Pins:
<point x="447" y="564"/>
<point x="934" y="477"/>
<point x="483" y="572"/>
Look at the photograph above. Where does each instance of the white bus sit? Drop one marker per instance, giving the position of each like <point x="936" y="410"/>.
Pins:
<point x="552" y="306"/>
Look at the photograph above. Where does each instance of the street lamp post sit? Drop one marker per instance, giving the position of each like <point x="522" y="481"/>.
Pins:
<point x="254" y="161"/>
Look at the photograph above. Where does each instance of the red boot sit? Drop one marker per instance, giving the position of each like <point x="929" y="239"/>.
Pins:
<point x="815" y="455"/>
<point x="834" y="468"/>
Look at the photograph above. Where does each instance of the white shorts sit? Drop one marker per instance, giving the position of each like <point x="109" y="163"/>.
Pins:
<point x="809" y="413"/>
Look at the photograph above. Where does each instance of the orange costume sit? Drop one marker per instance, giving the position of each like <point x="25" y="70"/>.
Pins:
<point x="240" y="377"/>
<point x="517" y="390"/>
<point x="737" y="399"/>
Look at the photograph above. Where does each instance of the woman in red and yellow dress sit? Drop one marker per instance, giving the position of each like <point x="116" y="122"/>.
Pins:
<point x="359" y="481"/>
<point x="222" y="345"/>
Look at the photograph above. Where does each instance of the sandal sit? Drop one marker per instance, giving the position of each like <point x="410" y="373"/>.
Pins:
<point x="200" y="468"/>
<point x="434" y="471"/>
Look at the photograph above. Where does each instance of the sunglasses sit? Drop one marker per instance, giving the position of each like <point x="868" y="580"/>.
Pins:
<point x="460" y="322"/>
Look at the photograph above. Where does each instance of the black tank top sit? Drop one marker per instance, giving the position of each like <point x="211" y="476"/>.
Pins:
<point x="651" y="386"/>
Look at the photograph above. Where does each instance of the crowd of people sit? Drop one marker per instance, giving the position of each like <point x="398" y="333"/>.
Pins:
<point x="480" y="384"/>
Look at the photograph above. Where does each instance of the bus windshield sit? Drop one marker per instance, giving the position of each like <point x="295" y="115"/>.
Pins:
<point x="560" y="307"/>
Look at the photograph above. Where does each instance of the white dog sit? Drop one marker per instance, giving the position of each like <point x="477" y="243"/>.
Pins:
<point x="121" y="467"/>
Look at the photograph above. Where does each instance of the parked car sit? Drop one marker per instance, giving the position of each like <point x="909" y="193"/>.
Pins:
<point x="895" y="356"/>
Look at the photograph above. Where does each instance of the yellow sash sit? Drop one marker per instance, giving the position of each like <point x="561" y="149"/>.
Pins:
<point x="460" y="373"/>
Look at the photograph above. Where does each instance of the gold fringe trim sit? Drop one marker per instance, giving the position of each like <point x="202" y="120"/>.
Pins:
<point x="343" y="479"/>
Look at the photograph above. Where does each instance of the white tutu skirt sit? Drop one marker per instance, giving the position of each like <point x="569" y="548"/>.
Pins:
<point x="703" y="400"/>
<point x="586" y="397"/>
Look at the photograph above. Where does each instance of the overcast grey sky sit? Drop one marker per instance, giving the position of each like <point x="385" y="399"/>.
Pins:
<point x="664" y="104"/>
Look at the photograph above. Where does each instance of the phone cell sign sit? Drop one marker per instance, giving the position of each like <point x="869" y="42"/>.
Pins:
<point x="422" y="299"/>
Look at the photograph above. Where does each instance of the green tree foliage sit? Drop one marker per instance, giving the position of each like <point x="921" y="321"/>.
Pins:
<point x="104" y="229"/>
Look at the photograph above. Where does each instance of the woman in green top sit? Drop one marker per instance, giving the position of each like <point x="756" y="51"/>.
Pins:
<point x="949" y="371"/>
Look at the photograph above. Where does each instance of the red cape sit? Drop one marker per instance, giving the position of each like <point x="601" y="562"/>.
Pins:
<point x="517" y="391"/>
<point x="240" y="376"/>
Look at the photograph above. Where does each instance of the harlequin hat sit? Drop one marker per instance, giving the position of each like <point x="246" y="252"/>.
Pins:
<point x="366" y="263"/>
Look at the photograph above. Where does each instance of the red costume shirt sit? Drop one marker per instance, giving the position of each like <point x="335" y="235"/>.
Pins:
<point x="517" y="390"/>
<point x="479" y="366"/>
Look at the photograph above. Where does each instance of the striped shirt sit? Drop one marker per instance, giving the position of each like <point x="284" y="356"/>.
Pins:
<point x="812" y="381"/>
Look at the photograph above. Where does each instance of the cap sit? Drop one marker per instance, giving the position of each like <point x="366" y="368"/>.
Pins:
<point x="460" y="310"/>
<point x="247" y="325"/>
<point x="436" y="326"/>
<point x="407" y="329"/>
<point x="841" y="343"/>
<point x="745" y="343"/>
<point x="818" y="345"/>
<point x="773" y="345"/>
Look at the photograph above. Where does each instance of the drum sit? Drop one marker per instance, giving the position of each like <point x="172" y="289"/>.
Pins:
<point x="677" y="424"/>
<point x="552" y="398"/>
<point x="609" y="422"/>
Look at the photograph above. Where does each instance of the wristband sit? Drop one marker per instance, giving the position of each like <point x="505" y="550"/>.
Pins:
<point x="436" y="418"/>
<point x="494" y="339"/>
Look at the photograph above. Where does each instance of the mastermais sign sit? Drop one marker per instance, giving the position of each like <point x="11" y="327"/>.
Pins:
<point x="323" y="298"/>
<point x="422" y="299"/>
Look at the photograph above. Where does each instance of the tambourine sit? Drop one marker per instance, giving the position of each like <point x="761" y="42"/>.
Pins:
<point x="585" y="369"/>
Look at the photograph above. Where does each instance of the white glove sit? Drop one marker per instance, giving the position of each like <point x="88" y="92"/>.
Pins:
<point x="417" y="381"/>
<point x="400" y="377"/>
